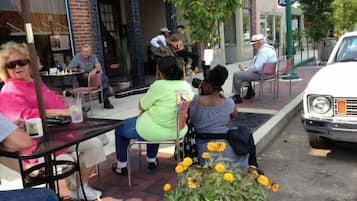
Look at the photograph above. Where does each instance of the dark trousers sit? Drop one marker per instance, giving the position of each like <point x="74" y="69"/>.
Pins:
<point x="187" y="54"/>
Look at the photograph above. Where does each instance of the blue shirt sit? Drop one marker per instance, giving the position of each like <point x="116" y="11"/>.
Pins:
<point x="211" y="119"/>
<point x="6" y="127"/>
<point x="265" y="54"/>
<point x="85" y="64"/>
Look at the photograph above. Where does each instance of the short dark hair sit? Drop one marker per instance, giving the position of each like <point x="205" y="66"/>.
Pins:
<point x="169" y="68"/>
<point x="217" y="76"/>
<point x="180" y="26"/>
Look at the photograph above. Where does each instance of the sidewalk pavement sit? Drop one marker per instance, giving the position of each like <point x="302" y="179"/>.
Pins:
<point x="147" y="185"/>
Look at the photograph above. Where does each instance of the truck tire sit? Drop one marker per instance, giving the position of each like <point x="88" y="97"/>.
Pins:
<point x="318" y="142"/>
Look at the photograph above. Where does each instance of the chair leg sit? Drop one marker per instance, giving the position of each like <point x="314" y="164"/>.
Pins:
<point x="129" y="164"/>
<point x="277" y="87"/>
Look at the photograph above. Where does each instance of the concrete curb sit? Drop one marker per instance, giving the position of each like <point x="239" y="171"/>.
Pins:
<point x="272" y="128"/>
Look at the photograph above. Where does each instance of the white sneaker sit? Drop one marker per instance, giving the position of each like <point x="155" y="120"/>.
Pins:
<point x="91" y="193"/>
<point x="98" y="192"/>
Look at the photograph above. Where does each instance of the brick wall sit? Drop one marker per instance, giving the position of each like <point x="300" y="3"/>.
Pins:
<point x="81" y="23"/>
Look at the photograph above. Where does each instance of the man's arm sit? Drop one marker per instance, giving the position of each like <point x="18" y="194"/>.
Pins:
<point x="13" y="138"/>
<point x="73" y="63"/>
<point x="154" y="42"/>
<point x="97" y="68"/>
<point x="16" y="141"/>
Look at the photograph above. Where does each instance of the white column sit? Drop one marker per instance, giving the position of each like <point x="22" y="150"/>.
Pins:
<point x="239" y="34"/>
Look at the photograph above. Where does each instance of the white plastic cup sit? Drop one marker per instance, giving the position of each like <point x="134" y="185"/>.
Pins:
<point x="34" y="127"/>
<point x="75" y="107"/>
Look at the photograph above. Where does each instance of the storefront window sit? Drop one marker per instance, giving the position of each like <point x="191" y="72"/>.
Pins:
<point x="270" y="27"/>
<point x="50" y="27"/>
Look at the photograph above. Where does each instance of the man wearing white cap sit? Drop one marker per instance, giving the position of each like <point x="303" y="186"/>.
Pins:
<point x="159" y="45"/>
<point x="265" y="54"/>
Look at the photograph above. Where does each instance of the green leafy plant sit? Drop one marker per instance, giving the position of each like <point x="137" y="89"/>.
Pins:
<point x="344" y="15"/>
<point x="317" y="17"/>
<point x="205" y="16"/>
<point x="218" y="179"/>
<point x="122" y="50"/>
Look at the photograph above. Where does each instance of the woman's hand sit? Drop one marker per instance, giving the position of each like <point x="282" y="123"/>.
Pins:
<point x="57" y="112"/>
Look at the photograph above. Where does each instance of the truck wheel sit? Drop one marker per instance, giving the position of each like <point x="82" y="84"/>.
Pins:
<point x="318" y="142"/>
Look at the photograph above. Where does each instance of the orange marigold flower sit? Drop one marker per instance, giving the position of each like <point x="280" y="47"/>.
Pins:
<point x="212" y="146"/>
<point x="263" y="180"/>
<point x="192" y="183"/>
<point x="187" y="161"/>
<point x="179" y="169"/>
<point x="228" y="177"/>
<point x="221" y="146"/>
<point x="206" y="155"/>
<point x="275" y="187"/>
<point x="167" y="187"/>
<point x="220" y="167"/>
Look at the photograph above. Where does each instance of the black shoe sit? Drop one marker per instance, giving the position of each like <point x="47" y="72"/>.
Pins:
<point x="237" y="99"/>
<point x="108" y="105"/>
<point x="249" y="95"/>
<point x="119" y="171"/>
<point x="153" y="165"/>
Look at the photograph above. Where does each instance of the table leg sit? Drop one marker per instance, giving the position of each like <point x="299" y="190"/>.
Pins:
<point x="79" y="172"/>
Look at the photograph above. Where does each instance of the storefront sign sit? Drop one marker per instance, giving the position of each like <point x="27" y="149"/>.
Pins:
<point x="283" y="2"/>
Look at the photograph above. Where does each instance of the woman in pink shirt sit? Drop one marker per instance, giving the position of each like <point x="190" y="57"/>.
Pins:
<point x="18" y="100"/>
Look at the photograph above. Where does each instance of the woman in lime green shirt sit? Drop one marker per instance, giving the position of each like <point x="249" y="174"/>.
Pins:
<point x="157" y="119"/>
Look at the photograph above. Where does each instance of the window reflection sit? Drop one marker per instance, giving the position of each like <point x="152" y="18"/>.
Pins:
<point x="50" y="27"/>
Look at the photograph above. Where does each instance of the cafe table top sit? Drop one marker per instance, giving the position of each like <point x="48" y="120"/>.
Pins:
<point x="66" y="135"/>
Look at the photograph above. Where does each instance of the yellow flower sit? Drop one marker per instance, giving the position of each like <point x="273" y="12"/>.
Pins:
<point x="179" y="169"/>
<point x="253" y="173"/>
<point x="206" y="155"/>
<point x="211" y="146"/>
<point x="192" y="183"/>
<point x="263" y="180"/>
<point x="228" y="177"/>
<point x="220" y="167"/>
<point x="167" y="187"/>
<point x="275" y="187"/>
<point x="187" y="161"/>
<point x="221" y="146"/>
<point x="183" y="165"/>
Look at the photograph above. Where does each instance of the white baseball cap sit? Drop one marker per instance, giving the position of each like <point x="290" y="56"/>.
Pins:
<point x="164" y="29"/>
<point x="256" y="38"/>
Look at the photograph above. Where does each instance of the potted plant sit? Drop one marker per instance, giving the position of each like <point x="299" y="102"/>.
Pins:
<point x="218" y="179"/>
<point x="122" y="49"/>
<point x="204" y="18"/>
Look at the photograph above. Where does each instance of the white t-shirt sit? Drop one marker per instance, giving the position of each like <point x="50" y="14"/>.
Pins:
<point x="157" y="40"/>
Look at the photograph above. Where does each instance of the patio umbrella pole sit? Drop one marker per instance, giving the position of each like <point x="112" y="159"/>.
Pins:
<point x="25" y="7"/>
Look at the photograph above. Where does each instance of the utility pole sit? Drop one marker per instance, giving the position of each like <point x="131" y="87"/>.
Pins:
<point x="289" y="41"/>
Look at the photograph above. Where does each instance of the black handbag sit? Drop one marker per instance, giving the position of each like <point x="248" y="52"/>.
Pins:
<point x="240" y="139"/>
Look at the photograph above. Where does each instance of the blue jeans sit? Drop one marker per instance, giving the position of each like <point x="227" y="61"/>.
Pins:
<point x="29" y="194"/>
<point x="124" y="134"/>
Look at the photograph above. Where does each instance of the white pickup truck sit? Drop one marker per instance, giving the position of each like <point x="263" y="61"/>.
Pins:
<point x="330" y="99"/>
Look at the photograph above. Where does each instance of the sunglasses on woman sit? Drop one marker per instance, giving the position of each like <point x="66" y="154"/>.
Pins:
<point x="19" y="62"/>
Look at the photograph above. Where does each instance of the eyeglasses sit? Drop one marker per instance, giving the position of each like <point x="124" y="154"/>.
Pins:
<point x="20" y="62"/>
